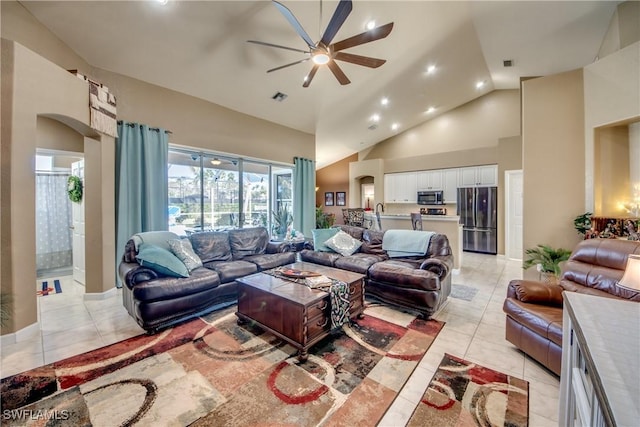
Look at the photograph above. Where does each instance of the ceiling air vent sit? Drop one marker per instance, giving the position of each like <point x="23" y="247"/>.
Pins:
<point x="373" y="127"/>
<point x="279" y="96"/>
<point x="507" y="63"/>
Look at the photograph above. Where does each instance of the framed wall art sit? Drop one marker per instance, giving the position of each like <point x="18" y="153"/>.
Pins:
<point x="328" y="198"/>
<point x="341" y="198"/>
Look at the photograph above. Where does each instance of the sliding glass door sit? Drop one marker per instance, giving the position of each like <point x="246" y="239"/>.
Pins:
<point x="212" y="192"/>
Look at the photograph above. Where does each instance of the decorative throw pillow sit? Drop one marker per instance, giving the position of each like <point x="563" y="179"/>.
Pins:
<point x="320" y="235"/>
<point x="184" y="251"/>
<point x="161" y="261"/>
<point x="344" y="244"/>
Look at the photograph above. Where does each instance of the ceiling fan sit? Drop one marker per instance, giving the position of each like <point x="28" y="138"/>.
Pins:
<point x="326" y="53"/>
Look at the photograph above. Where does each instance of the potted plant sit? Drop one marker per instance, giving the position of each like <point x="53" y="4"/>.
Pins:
<point x="282" y="219"/>
<point x="547" y="261"/>
<point x="582" y="223"/>
<point x="324" y="220"/>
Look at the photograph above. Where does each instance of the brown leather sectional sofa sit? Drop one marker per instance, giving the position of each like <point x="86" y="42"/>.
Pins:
<point x="420" y="283"/>
<point x="534" y="309"/>
<point x="157" y="301"/>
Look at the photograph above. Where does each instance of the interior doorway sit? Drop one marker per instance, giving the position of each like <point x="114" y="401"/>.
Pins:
<point x="57" y="250"/>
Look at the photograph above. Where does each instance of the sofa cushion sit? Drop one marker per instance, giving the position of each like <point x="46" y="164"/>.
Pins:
<point x="168" y="288"/>
<point x="358" y="263"/>
<point x="343" y="243"/>
<point x="372" y="242"/>
<point x="161" y="261"/>
<point x="269" y="261"/>
<point x="182" y="249"/>
<point x="318" y="257"/>
<point x="321" y="235"/>
<point x="352" y="230"/>
<point x="231" y="270"/>
<point x="211" y="246"/>
<point x="248" y="241"/>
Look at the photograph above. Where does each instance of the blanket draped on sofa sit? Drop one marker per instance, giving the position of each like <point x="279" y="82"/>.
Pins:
<point x="404" y="243"/>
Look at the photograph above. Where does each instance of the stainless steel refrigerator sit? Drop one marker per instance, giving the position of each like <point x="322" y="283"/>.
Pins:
<point x="478" y="211"/>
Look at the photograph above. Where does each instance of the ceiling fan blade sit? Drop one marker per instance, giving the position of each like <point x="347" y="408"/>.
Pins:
<point x="287" y="65"/>
<point x="307" y="80"/>
<point x="339" y="16"/>
<point x="362" y="38"/>
<point x="278" y="46"/>
<point x="365" y="61"/>
<point x="337" y="71"/>
<point x="294" y="22"/>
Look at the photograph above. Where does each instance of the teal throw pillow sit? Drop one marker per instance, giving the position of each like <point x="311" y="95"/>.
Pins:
<point x="321" y="235"/>
<point x="161" y="261"/>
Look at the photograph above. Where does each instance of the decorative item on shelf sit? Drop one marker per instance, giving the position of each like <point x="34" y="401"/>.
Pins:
<point x="547" y="261"/>
<point x="74" y="189"/>
<point x="631" y="277"/>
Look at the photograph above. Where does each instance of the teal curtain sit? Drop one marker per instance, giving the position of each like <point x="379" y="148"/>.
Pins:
<point x="142" y="195"/>
<point x="304" y="195"/>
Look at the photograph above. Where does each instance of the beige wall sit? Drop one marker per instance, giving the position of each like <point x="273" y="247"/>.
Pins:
<point x="476" y="125"/>
<point x="553" y="158"/>
<point x="509" y="158"/>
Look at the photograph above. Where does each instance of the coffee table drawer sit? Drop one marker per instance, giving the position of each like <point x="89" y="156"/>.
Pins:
<point x="318" y="326"/>
<point x="320" y="308"/>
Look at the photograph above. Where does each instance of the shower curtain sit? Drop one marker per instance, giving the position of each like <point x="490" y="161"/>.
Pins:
<point x="53" y="222"/>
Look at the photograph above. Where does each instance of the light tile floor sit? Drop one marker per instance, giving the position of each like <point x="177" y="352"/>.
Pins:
<point x="474" y="330"/>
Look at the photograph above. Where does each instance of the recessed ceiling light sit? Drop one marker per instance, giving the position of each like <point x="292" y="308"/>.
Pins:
<point x="375" y="118"/>
<point x="431" y="69"/>
<point x="384" y="101"/>
<point x="370" y="25"/>
<point x="479" y="85"/>
<point x="395" y="126"/>
<point x="431" y="110"/>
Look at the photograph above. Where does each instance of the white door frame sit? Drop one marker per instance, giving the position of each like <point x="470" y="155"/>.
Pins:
<point x="510" y="192"/>
<point x="78" y="232"/>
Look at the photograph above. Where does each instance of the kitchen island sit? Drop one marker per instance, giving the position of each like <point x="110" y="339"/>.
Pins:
<point x="448" y="225"/>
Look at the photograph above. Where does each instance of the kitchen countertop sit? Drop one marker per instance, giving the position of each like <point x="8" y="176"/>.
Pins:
<point x="448" y="218"/>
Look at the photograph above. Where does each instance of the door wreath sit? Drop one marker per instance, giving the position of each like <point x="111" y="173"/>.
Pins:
<point x="74" y="189"/>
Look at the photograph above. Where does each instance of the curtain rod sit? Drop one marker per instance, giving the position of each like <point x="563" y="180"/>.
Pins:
<point x="120" y="122"/>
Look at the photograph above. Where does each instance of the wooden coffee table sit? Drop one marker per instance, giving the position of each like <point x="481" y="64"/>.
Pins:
<point x="292" y="311"/>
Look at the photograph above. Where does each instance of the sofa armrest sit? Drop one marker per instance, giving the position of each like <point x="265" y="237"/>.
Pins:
<point x="438" y="265"/>
<point x="132" y="273"/>
<point x="533" y="292"/>
<point x="278" y="247"/>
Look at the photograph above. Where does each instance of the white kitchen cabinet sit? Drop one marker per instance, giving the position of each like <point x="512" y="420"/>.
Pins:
<point x="430" y="180"/>
<point x="478" y="176"/>
<point x="450" y="185"/>
<point x="400" y="187"/>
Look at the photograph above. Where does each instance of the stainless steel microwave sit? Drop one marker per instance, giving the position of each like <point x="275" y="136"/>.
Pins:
<point x="430" y="197"/>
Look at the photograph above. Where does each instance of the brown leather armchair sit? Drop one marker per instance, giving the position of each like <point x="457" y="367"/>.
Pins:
<point x="534" y="309"/>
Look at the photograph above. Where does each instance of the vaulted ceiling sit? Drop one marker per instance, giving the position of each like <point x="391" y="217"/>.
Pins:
<point x="199" y="48"/>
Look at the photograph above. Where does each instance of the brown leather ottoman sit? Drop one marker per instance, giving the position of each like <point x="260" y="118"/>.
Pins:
<point x="400" y="283"/>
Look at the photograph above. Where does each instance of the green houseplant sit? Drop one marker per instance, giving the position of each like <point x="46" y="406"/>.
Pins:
<point x="546" y="259"/>
<point x="582" y="223"/>
<point x="323" y="219"/>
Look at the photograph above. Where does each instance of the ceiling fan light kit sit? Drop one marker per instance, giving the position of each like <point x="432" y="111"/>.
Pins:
<point x="325" y="53"/>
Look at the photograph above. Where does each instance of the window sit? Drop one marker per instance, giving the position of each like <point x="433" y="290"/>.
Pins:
<point x="211" y="192"/>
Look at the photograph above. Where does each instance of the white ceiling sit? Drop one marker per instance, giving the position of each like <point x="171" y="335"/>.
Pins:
<point x="199" y="48"/>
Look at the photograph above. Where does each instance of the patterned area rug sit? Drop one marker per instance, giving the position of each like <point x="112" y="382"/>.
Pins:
<point x="210" y="371"/>
<point x="463" y="394"/>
